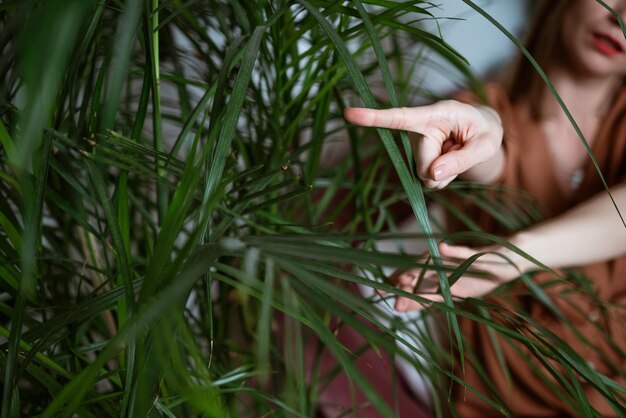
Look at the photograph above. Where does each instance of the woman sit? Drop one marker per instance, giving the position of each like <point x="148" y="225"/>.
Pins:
<point x="524" y="139"/>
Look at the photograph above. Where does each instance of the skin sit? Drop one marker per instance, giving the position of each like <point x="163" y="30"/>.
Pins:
<point x="459" y="140"/>
<point x="452" y="138"/>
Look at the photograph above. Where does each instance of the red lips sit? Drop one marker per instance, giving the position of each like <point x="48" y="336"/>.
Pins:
<point x="607" y="45"/>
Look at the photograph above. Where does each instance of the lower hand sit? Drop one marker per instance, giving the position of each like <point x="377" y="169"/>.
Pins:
<point x="493" y="262"/>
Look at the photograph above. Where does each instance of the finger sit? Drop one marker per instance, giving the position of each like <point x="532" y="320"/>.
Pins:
<point x="453" y="163"/>
<point x="429" y="284"/>
<point x="405" y="281"/>
<point x="407" y="305"/>
<point x="408" y="283"/>
<point x="438" y="185"/>
<point x="486" y="263"/>
<point x="398" y="278"/>
<point x="432" y="297"/>
<point x="426" y="150"/>
<point x="461" y="157"/>
<point x="403" y="118"/>
<point x="404" y="277"/>
<point x="449" y="145"/>
<point x="408" y="287"/>
<point x="456" y="251"/>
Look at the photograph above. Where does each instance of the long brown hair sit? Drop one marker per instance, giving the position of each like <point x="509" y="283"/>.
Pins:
<point x="542" y="42"/>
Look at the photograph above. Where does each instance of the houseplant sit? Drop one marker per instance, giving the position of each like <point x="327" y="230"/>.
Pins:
<point x="165" y="201"/>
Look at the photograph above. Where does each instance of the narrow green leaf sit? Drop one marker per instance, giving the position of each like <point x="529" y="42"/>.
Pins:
<point x="112" y="221"/>
<point x="229" y="124"/>
<point x="119" y="62"/>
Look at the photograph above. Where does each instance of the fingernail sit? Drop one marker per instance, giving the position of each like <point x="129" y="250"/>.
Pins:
<point x="440" y="172"/>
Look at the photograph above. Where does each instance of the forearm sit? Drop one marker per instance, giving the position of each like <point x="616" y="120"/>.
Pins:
<point x="589" y="233"/>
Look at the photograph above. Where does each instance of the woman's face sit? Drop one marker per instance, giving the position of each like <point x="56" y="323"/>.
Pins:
<point x="592" y="39"/>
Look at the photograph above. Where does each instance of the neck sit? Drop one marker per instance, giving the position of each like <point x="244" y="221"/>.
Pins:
<point x="587" y="98"/>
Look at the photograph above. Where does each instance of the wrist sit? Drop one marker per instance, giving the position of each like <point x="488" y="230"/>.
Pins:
<point x="490" y="114"/>
<point x="522" y="241"/>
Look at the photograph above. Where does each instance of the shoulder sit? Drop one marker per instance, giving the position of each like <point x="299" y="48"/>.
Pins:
<point x="619" y="101"/>
<point x="614" y="121"/>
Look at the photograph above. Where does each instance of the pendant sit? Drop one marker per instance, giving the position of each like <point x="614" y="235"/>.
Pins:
<point x="576" y="179"/>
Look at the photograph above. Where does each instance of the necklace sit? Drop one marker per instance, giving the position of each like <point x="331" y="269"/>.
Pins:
<point x="576" y="178"/>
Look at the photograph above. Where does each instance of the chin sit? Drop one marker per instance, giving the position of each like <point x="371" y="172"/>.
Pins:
<point x="598" y="66"/>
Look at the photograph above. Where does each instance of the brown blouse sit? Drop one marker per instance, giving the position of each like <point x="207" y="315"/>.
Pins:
<point x="499" y="367"/>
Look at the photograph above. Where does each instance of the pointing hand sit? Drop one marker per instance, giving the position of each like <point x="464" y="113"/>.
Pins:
<point x="452" y="136"/>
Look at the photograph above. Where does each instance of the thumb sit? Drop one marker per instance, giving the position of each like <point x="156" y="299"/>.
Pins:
<point x="454" y="162"/>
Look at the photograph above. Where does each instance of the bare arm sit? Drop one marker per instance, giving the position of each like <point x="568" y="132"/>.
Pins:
<point x="590" y="232"/>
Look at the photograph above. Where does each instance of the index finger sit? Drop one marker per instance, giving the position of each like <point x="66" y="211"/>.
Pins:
<point x="401" y="118"/>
